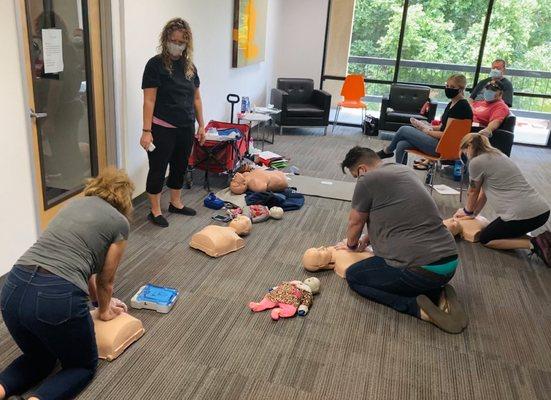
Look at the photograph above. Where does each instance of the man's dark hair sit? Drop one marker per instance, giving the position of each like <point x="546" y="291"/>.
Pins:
<point x="358" y="155"/>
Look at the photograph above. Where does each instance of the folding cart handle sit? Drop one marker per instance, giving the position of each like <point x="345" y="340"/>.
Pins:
<point x="233" y="99"/>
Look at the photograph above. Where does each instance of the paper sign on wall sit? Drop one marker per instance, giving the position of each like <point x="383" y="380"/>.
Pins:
<point x="52" y="51"/>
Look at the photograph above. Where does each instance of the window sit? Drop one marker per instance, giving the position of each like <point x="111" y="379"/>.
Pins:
<point x="425" y="41"/>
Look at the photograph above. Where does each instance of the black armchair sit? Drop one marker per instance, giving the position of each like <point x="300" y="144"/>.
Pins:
<point x="300" y="104"/>
<point x="503" y="137"/>
<point x="404" y="102"/>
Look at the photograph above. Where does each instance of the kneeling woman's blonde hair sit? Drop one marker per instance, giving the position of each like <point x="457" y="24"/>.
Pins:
<point x="480" y="144"/>
<point x="115" y="187"/>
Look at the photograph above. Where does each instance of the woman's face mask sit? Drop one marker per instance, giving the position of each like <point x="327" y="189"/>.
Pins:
<point x="175" y="50"/>
<point x="489" y="95"/>
<point x="451" y="92"/>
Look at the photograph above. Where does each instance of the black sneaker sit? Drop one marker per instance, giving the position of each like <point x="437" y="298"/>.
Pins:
<point x="542" y="247"/>
<point x="382" y="155"/>
<point x="159" y="220"/>
<point x="184" y="211"/>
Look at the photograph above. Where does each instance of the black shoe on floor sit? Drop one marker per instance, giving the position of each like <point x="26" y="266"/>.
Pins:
<point x="184" y="211"/>
<point x="382" y="155"/>
<point x="159" y="220"/>
<point x="542" y="247"/>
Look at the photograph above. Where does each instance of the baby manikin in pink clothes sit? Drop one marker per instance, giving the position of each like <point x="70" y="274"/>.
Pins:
<point x="289" y="297"/>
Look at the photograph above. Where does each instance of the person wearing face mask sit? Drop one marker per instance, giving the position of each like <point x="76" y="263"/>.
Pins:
<point x="520" y="209"/>
<point x="415" y="255"/>
<point x="172" y="103"/>
<point x="492" y="110"/>
<point x="496" y="75"/>
<point x="424" y="136"/>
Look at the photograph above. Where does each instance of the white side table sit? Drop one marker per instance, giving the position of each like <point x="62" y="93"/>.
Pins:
<point x="260" y="120"/>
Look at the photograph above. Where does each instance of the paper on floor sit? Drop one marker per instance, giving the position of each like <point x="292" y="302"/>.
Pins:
<point x="443" y="189"/>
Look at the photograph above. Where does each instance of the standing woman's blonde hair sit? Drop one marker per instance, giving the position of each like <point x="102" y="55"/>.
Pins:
<point x="177" y="24"/>
<point x="480" y="144"/>
<point x="115" y="187"/>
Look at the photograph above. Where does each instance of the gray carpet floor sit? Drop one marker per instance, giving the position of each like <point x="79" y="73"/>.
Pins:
<point x="212" y="347"/>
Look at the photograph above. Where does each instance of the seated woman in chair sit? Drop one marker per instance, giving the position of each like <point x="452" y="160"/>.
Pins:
<point x="425" y="137"/>
<point x="491" y="111"/>
<point x="519" y="207"/>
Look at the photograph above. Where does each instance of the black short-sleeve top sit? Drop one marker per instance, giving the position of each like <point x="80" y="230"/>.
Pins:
<point x="461" y="110"/>
<point x="175" y="93"/>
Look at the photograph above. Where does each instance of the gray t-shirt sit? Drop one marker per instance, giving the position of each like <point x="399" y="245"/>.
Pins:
<point x="506" y="188"/>
<point x="75" y="243"/>
<point x="478" y="91"/>
<point x="404" y="225"/>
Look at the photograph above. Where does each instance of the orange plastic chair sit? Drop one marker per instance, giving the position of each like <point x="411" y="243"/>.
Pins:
<point x="353" y="89"/>
<point x="448" y="148"/>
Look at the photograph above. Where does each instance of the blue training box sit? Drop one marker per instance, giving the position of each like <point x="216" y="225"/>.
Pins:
<point x="157" y="298"/>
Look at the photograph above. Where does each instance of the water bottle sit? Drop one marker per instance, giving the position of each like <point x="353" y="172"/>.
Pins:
<point x="457" y="170"/>
<point x="244" y="101"/>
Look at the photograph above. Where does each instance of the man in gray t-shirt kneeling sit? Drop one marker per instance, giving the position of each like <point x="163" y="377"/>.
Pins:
<point x="415" y="255"/>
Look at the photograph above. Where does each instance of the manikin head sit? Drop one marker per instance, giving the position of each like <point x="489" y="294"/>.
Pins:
<point x="238" y="184"/>
<point x="242" y="225"/>
<point x="360" y="160"/>
<point x="276" y="212"/>
<point x="318" y="258"/>
<point x="313" y="283"/>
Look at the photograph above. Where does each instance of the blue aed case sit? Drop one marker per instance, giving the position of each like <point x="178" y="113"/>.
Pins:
<point x="152" y="297"/>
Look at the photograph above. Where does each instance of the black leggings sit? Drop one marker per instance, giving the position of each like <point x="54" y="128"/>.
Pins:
<point x="172" y="146"/>
<point x="500" y="229"/>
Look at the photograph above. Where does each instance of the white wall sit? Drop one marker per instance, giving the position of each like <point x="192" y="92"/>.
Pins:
<point x="140" y="22"/>
<point x="301" y="35"/>
<point x="18" y="222"/>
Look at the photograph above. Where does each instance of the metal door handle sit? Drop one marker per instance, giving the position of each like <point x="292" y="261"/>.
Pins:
<point x="37" y="115"/>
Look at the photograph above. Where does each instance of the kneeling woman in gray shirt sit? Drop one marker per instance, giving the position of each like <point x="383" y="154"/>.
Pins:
<point x="519" y="208"/>
<point x="44" y="300"/>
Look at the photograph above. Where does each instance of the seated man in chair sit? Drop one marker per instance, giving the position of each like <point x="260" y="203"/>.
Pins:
<point x="496" y="75"/>
<point x="415" y="255"/>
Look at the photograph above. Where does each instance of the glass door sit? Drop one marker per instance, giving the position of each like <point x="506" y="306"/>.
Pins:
<point x="65" y="97"/>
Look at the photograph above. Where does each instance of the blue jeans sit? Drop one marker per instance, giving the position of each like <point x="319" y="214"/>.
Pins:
<point x="49" y="320"/>
<point x="394" y="287"/>
<point x="408" y="137"/>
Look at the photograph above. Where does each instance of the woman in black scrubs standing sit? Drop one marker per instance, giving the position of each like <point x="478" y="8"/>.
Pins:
<point x="172" y="103"/>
